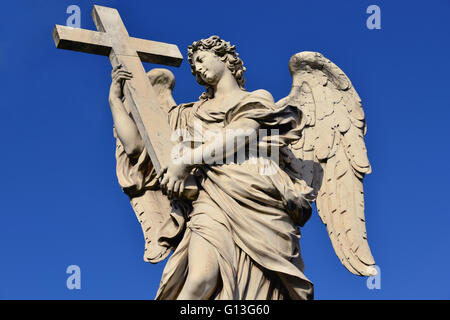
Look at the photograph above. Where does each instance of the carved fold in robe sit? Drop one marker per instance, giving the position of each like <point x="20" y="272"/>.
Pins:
<point x="251" y="219"/>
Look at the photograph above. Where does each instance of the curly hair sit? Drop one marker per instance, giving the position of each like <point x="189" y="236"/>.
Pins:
<point x="226" y="52"/>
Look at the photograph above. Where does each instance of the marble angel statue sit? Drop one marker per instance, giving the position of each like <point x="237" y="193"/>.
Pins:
<point x="239" y="239"/>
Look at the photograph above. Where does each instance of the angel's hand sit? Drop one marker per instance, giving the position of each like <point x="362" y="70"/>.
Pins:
<point x="118" y="76"/>
<point x="172" y="179"/>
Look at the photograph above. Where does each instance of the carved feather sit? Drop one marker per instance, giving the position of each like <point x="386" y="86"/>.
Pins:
<point x="333" y="154"/>
<point x="152" y="209"/>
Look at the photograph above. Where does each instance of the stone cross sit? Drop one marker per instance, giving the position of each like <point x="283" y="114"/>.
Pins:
<point x="112" y="40"/>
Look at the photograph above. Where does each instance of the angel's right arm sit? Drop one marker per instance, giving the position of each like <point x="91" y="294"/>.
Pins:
<point x="125" y="126"/>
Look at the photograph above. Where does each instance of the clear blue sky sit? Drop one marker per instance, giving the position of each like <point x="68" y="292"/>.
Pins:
<point x="60" y="203"/>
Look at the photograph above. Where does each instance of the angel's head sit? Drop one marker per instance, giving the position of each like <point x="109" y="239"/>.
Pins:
<point x="210" y="58"/>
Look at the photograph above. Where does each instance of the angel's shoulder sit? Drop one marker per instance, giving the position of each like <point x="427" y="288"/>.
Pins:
<point x="181" y="106"/>
<point x="263" y="94"/>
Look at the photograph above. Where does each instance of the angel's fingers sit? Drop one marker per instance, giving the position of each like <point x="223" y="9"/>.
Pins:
<point x="170" y="188"/>
<point x="115" y="70"/>
<point x="120" y="76"/>
<point x="161" y="172"/>
<point x="116" y="76"/>
<point x="180" y="192"/>
<point x="124" y="74"/>
<point x="165" y="180"/>
<point x="118" y="71"/>
<point x="123" y="71"/>
<point x="176" y="187"/>
<point x="123" y="77"/>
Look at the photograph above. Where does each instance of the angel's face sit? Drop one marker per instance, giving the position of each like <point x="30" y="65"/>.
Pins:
<point x="208" y="67"/>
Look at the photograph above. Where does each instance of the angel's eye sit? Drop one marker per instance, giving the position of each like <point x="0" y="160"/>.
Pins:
<point x="199" y="60"/>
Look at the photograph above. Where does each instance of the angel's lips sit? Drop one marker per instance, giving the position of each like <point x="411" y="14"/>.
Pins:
<point x="205" y="76"/>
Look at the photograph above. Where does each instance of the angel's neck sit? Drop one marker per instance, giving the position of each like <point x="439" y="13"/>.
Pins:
<point x="227" y="85"/>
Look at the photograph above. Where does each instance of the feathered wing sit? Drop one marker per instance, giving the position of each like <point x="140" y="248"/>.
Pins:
<point x="332" y="153"/>
<point x="163" y="82"/>
<point x="152" y="208"/>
